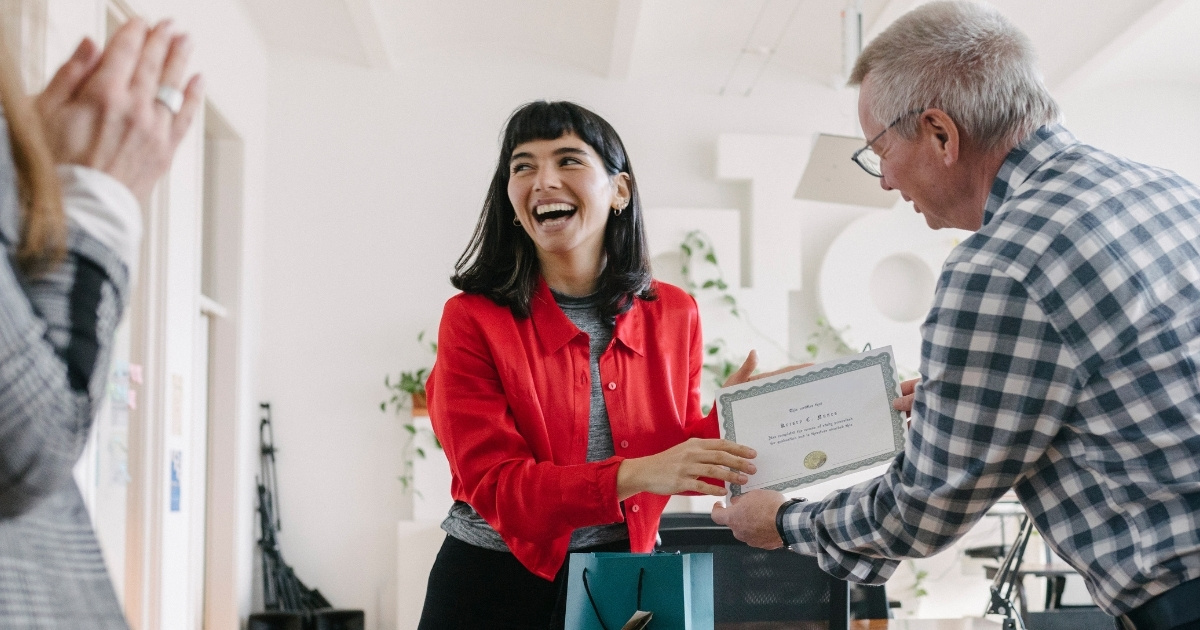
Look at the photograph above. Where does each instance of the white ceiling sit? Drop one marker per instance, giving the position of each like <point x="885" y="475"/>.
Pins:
<point x="728" y="47"/>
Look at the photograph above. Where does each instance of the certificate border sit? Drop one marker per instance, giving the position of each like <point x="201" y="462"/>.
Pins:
<point x="883" y="360"/>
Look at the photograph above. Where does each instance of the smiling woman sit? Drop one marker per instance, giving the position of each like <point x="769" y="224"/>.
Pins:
<point x="559" y="153"/>
<point x="562" y="195"/>
<point x="566" y="390"/>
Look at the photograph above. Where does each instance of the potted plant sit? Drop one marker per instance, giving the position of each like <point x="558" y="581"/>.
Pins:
<point x="407" y="392"/>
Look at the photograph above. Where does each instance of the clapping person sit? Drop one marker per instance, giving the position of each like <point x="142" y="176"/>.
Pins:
<point x="72" y="171"/>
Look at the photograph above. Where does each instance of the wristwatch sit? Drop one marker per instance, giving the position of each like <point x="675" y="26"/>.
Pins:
<point x="779" y="517"/>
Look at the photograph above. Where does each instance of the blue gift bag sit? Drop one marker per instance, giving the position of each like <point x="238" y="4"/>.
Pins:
<point x="676" y="588"/>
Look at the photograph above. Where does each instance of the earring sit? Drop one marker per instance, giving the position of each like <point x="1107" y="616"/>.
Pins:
<point x="617" y="211"/>
<point x="516" y="222"/>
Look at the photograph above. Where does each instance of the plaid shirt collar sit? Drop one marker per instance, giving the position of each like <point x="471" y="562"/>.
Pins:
<point x="1024" y="160"/>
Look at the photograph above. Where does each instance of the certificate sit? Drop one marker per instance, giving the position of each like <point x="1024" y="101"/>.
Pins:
<point x="815" y="423"/>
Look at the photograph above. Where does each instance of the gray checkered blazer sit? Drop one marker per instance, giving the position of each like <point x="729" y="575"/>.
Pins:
<point x="55" y="343"/>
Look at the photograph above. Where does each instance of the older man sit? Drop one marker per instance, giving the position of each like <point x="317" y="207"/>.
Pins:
<point x="1061" y="357"/>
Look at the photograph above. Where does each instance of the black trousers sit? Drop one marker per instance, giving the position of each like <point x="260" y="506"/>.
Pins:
<point x="472" y="587"/>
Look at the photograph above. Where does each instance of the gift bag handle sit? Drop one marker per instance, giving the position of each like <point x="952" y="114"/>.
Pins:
<point x="596" y="609"/>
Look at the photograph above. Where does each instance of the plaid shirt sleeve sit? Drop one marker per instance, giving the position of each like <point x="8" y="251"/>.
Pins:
<point x="996" y="384"/>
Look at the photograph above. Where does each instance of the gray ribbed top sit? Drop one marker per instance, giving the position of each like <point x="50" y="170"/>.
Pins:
<point x="465" y="524"/>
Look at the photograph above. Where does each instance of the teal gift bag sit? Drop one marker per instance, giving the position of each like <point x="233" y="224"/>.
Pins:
<point x="604" y="590"/>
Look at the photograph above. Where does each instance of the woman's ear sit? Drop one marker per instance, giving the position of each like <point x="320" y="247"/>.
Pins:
<point x="621" y="190"/>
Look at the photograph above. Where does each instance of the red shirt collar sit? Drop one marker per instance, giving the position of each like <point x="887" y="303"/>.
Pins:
<point x="556" y="330"/>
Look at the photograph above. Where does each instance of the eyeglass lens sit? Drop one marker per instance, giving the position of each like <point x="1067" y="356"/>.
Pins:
<point x="869" y="160"/>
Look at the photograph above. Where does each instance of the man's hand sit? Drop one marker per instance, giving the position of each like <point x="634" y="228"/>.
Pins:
<point x="905" y="401"/>
<point x="751" y="516"/>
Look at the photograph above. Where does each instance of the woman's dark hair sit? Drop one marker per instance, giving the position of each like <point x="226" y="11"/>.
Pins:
<point x="501" y="260"/>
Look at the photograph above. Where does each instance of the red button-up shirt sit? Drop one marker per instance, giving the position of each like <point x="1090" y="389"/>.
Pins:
<point x="509" y="399"/>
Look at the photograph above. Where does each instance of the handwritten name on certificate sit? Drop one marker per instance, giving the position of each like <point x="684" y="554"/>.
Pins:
<point x="816" y="423"/>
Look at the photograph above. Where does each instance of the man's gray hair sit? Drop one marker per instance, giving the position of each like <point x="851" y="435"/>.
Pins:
<point x="965" y="59"/>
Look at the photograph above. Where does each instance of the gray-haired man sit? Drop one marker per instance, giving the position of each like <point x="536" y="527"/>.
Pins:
<point x="1061" y="357"/>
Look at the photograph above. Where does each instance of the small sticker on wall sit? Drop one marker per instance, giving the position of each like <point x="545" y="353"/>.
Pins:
<point x="176" y="468"/>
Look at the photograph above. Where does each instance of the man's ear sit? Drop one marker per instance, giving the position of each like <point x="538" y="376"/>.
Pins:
<point x="943" y="135"/>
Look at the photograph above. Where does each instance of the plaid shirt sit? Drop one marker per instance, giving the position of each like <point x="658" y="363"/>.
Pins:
<point x="1060" y="360"/>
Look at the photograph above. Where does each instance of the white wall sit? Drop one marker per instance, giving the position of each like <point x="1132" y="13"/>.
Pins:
<point x="375" y="179"/>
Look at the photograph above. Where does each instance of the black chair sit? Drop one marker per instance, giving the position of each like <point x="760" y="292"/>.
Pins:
<point x="752" y="584"/>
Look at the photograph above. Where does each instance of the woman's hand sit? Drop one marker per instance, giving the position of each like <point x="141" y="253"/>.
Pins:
<point x="746" y="373"/>
<point x="101" y="109"/>
<point x="679" y="469"/>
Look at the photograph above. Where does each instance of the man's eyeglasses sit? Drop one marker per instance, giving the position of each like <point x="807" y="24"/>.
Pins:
<point x="866" y="156"/>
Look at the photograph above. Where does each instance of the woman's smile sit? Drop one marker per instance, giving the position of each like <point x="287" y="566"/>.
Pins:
<point x="562" y="194"/>
<point x="554" y="214"/>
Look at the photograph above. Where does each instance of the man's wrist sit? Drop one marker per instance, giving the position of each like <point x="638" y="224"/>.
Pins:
<point x="779" y="519"/>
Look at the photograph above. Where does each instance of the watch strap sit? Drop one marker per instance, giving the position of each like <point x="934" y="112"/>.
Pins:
<point x="779" y="518"/>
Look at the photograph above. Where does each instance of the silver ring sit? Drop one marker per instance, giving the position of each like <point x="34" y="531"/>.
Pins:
<point x="170" y="97"/>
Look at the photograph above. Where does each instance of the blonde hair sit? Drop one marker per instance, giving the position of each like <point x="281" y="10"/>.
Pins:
<point x="42" y="242"/>
<point x="965" y="59"/>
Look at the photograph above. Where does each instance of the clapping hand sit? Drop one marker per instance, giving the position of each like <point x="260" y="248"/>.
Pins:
<point x="123" y="110"/>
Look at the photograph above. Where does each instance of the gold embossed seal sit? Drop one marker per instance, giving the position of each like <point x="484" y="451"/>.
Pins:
<point x="815" y="460"/>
